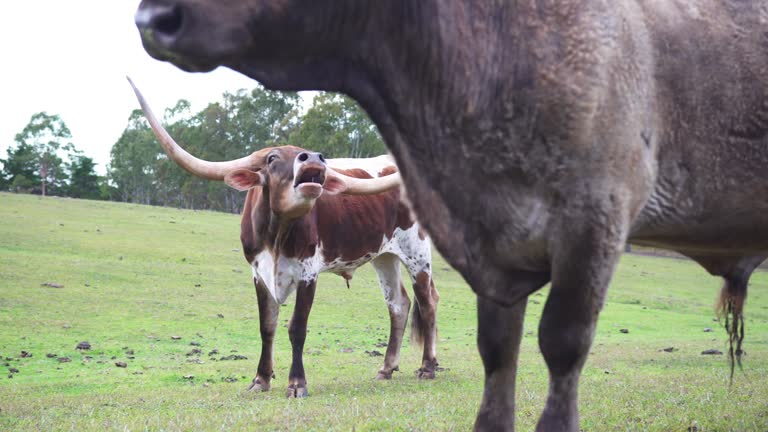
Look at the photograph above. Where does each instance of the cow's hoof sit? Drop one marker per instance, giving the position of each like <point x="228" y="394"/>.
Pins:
<point x="385" y="375"/>
<point x="422" y="373"/>
<point x="296" y="392"/>
<point x="258" y="385"/>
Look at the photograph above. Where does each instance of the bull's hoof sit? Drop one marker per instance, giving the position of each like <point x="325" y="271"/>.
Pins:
<point x="296" y="392"/>
<point x="385" y="374"/>
<point x="427" y="369"/>
<point x="423" y="373"/>
<point x="258" y="385"/>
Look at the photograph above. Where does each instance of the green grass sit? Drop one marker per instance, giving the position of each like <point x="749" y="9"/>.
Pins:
<point x="134" y="276"/>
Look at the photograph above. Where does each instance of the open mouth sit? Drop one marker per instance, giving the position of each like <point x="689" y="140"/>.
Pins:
<point x="309" y="182"/>
<point x="310" y="176"/>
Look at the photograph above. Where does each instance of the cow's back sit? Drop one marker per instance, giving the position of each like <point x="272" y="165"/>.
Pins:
<point x="351" y="227"/>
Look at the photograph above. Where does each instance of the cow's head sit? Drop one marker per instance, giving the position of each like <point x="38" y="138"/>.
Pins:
<point x="294" y="178"/>
<point x="282" y="43"/>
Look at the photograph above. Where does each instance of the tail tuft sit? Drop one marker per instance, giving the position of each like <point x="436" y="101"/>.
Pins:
<point x="730" y="308"/>
<point x="417" y="326"/>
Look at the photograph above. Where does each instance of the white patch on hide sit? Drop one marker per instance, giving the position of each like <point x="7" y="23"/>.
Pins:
<point x="413" y="251"/>
<point x="283" y="280"/>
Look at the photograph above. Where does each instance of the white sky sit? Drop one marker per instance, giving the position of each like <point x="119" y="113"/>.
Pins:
<point x="71" y="58"/>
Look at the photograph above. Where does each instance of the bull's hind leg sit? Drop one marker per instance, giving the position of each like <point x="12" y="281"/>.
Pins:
<point x="582" y="266"/>
<point x="387" y="267"/>
<point x="424" y="319"/>
<point x="297" y="331"/>
<point x="268" y="311"/>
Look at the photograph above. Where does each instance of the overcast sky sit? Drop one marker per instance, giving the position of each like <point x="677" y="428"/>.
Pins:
<point x="71" y="58"/>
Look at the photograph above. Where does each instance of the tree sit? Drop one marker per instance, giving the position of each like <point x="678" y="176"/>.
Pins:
<point x="260" y="118"/>
<point x="336" y="126"/>
<point x="133" y="159"/>
<point x="20" y="170"/>
<point x="83" y="181"/>
<point x="242" y="123"/>
<point x="45" y="134"/>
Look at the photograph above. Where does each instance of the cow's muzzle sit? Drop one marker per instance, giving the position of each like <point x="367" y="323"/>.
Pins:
<point x="165" y="22"/>
<point x="162" y="27"/>
<point x="159" y="24"/>
<point x="309" y="174"/>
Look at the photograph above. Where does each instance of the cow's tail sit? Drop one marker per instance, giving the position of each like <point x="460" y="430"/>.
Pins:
<point x="419" y="325"/>
<point x="730" y="309"/>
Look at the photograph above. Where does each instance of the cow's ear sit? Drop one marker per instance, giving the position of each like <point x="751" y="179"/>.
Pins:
<point x="243" y="179"/>
<point x="334" y="185"/>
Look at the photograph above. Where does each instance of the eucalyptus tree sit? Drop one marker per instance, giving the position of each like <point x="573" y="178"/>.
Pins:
<point x="336" y="126"/>
<point x="48" y="136"/>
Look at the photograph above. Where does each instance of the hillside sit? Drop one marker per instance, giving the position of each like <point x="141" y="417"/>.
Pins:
<point x="134" y="277"/>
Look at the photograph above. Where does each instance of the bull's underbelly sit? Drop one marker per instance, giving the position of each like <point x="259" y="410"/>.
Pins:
<point x="724" y="234"/>
<point x="282" y="275"/>
<point x="708" y="244"/>
<point x="706" y="204"/>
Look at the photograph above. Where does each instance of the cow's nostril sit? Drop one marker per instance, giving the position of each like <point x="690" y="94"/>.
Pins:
<point x="322" y="159"/>
<point x="168" y="21"/>
<point x="303" y="157"/>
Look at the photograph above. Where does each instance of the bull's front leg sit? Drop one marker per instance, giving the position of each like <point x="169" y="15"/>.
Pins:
<point x="499" y="333"/>
<point x="297" y="330"/>
<point x="268" y="312"/>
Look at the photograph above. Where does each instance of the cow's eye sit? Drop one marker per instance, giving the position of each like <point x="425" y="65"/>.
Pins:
<point x="271" y="159"/>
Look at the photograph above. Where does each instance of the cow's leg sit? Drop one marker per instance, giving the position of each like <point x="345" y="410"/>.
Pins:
<point x="388" y="269"/>
<point x="297" y="331"/>
<point x="268" y="311"/>
<point x="499" y="332"/>
<point x="424" y="319"/>
<point x="582" y="266"/>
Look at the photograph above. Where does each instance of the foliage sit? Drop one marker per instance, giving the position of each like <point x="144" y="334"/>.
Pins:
<point x="243" y="123"/>
<point x="133" y="160"/>
<point x="43" y="162"/>
<point x="46" y="135"/>
<point x="20" y="170"/>
<point x="336" y="126"/>
<point x="134" y="276"/>
<point x="83" y="181"/>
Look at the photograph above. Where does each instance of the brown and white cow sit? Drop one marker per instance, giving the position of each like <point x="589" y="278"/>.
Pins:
<point x="296" y="224"/>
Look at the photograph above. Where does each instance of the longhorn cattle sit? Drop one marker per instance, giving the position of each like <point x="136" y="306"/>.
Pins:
<point x="538" y="136"/>
<point x="295" y="226"/>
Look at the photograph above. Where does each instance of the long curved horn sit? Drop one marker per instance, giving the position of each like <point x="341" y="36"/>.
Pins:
<point x="199" y="167"/>
<point x="358" y="186"/>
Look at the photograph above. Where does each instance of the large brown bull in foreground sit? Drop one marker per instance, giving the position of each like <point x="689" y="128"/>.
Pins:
<point x="538" y="135"/>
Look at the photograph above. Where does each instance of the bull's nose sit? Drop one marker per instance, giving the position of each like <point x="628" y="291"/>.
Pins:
<point x="165" y="21"/>
<point x="311" y="157"/>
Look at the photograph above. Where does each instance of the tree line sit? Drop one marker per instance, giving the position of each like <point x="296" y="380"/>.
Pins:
<point x="44" y="161"/>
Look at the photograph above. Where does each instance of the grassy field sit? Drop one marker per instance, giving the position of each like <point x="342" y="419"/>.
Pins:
<point x="135" y="277"/>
